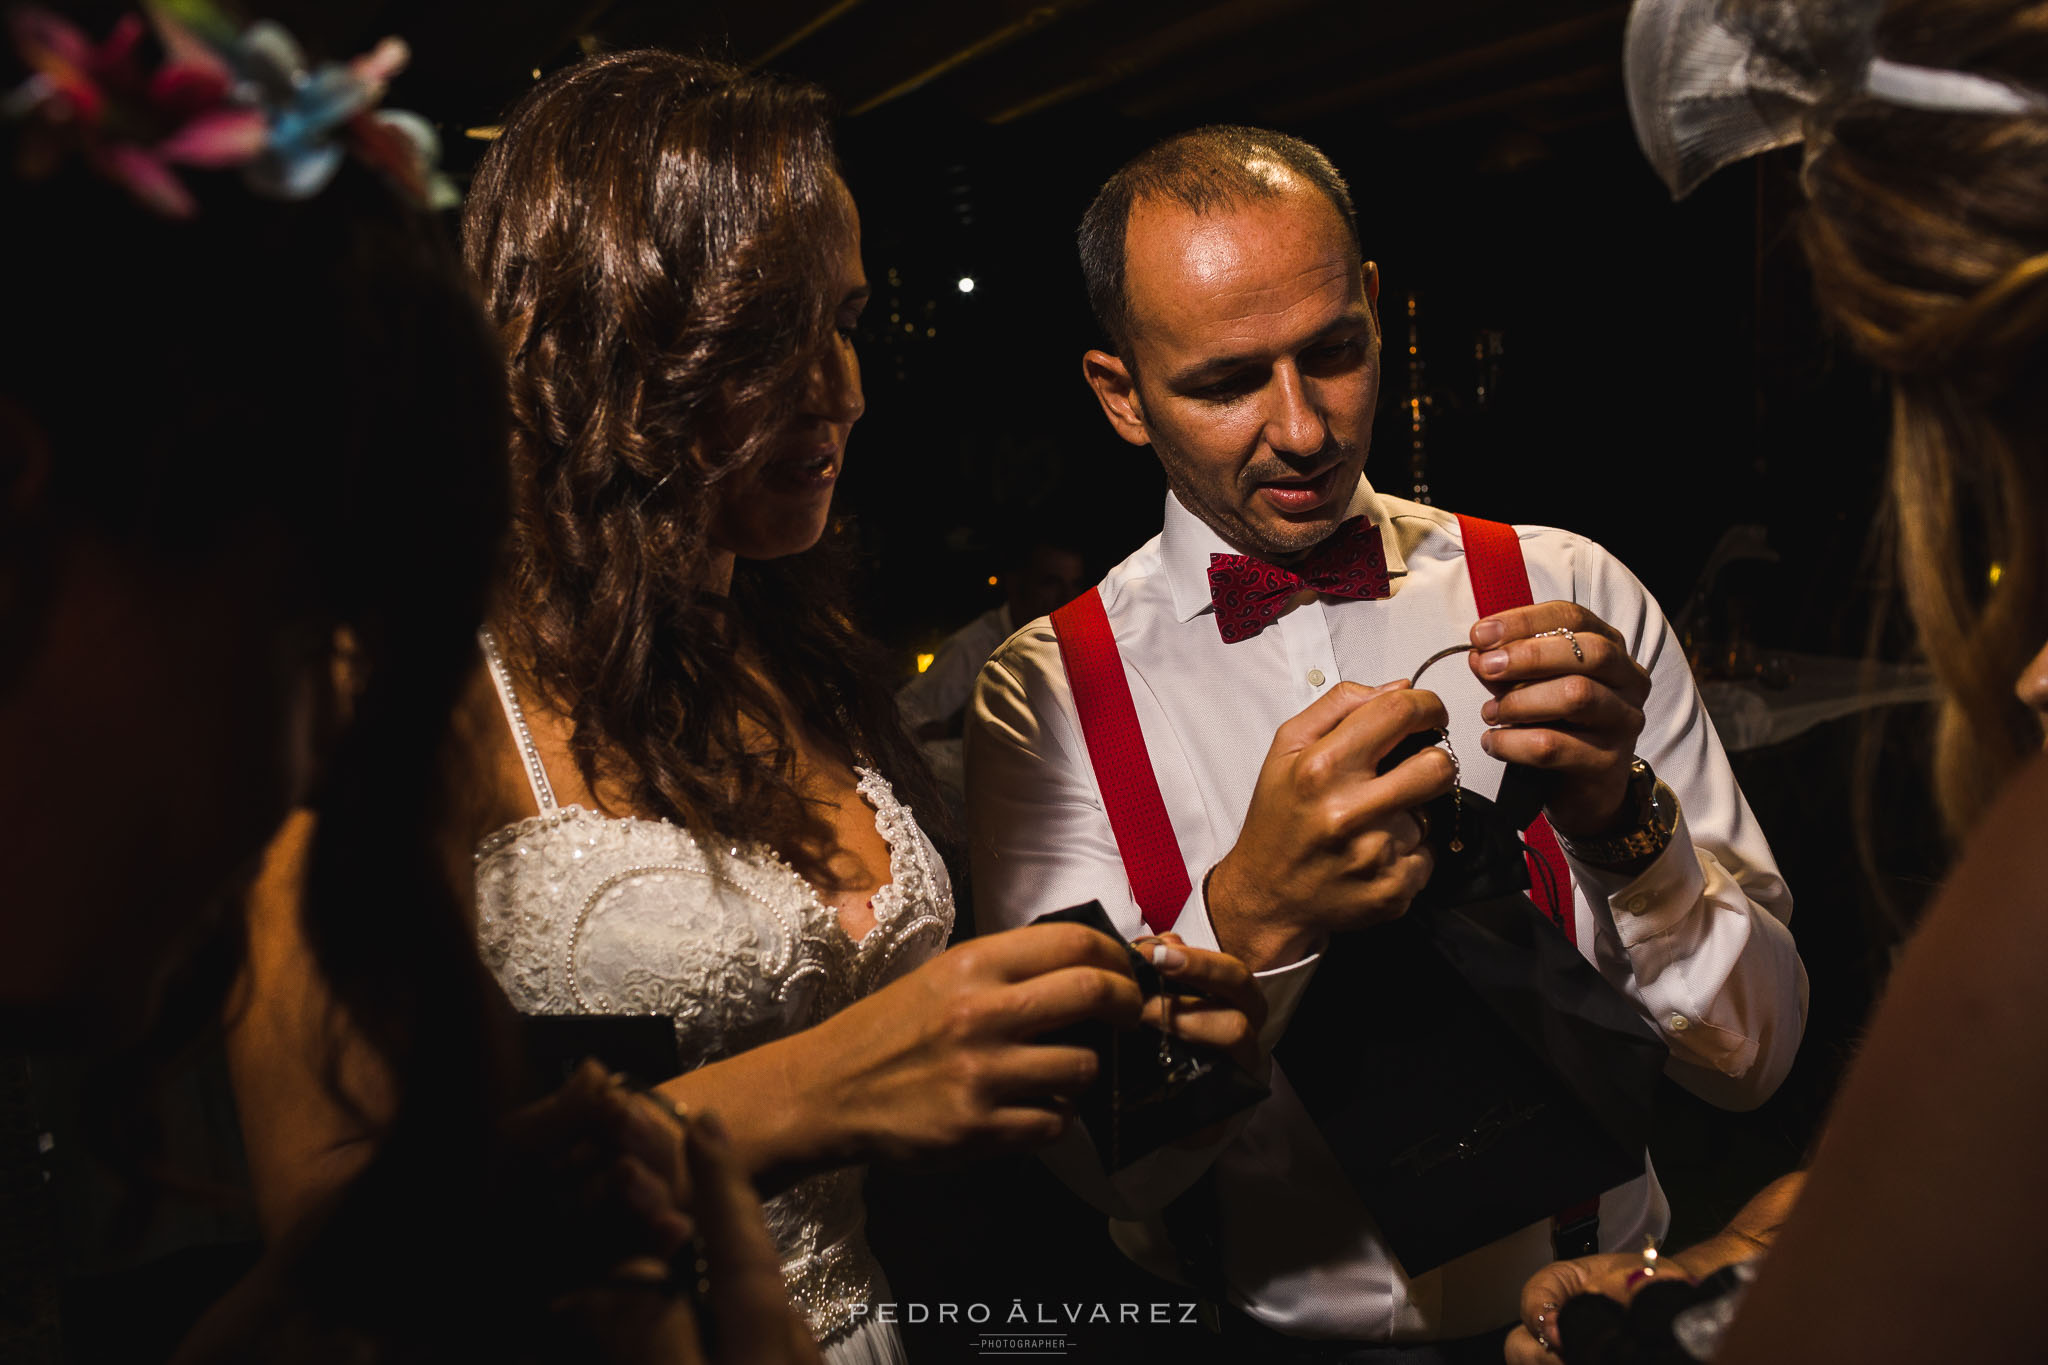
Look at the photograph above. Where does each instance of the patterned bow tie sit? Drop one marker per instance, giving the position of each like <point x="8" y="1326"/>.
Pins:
<point x="1248" y="593"/>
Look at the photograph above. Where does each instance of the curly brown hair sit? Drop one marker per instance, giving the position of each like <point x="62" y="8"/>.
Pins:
<point x="1928" y="237"/>
<point x="655" y="235"/>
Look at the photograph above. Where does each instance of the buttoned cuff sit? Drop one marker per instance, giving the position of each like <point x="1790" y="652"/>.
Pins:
<point x="1282" y="987"/>
<point x="1657" y="899"/>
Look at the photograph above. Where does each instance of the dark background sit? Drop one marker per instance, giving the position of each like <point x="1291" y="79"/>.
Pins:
<point x="1656" y="376"/>
<point x="1590" y="355"/>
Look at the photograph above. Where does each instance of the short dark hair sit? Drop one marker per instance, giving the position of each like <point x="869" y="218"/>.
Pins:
<point x="1202" y="170"/>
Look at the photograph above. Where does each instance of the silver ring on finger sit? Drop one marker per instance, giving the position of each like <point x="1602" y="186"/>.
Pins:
<point x="1565" y="631"/>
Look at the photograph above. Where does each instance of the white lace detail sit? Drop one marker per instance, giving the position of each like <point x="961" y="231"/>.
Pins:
<point x="579" y="913"/>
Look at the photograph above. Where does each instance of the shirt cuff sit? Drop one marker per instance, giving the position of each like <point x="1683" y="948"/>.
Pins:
<point x="1282" y="987"/>
<point x="1657" y="899"/>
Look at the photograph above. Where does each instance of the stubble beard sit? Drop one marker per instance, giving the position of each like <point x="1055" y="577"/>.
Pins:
<point x="1230" y="521"/>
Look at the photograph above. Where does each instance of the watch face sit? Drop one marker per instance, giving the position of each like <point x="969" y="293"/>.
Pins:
<point x="1663" y="809"/>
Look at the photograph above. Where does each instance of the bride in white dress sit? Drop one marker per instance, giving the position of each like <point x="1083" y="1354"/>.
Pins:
<point x="690" y="793"/>
<point x="702" y="799"/>
<point x="582" y="913"/>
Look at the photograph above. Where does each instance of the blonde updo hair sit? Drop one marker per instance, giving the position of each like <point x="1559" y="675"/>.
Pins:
<point x="1927" y="233"/>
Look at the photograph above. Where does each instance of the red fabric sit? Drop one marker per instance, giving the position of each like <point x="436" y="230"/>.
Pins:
<point x="1500" y="580"/>
<point x="1123" y="767"/>
<point x="1130" y="789"/>
<point x="1248" y="593"/>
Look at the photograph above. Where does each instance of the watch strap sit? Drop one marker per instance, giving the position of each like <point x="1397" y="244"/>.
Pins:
<point x="1656" y="817"/>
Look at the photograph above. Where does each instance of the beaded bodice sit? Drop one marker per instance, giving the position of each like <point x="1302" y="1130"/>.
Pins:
<point x="581" y="913"/>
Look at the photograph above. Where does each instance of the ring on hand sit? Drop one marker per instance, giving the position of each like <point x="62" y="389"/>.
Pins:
<point x="1421" y="826"/>
<point x="1565" y="631"/>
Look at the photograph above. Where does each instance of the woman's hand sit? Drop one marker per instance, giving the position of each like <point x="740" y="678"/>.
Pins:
<point x="1220" y="1005"/>
<point x="593" y="1177"/>
<point x="1620" y="1276"/>
<point x="742" y="1314"/>
<point x="1616" y="1274"/>
<point x="946" y="1061"/>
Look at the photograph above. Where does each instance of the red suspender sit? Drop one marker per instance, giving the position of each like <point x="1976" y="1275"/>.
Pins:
<point x="1123" y="767"/>
<point x="1137" y="813"/>
<point x="1500" y="580"/>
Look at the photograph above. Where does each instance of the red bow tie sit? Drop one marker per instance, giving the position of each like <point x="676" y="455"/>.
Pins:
<point x="1248" y="593"/>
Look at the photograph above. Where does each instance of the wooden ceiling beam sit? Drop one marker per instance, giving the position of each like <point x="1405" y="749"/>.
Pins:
<point x="1599" y="78"/>
<point x="1038" y="17"/>
<point x="1453" y="66"/>
<point x="824" y="18"/>
<point x="1115" y="62"/>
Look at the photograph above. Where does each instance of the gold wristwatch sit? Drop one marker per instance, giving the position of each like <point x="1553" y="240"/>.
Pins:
<point x="1655" y="811"/>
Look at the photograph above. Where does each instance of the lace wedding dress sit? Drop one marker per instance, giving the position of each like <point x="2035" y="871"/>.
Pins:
<point x="580" y="913"/>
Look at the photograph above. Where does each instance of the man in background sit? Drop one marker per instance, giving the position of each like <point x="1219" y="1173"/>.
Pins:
<point x="1039" y="575"/>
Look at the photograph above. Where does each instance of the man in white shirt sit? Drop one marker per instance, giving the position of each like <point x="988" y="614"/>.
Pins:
<point x="1038" y="576"/>
<point x="1225" y="267"/>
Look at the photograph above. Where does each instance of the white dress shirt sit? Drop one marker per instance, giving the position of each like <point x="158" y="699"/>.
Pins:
<point x="1698" y="939"/>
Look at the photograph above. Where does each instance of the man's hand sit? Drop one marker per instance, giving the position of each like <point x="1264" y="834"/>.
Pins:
<point x="1574" y="718"/>
<point x="1328" y="844"/>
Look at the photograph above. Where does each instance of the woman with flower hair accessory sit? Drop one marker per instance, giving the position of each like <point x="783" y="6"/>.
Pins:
<point x="251" y="490"/>
<point x="1924" y="127"/>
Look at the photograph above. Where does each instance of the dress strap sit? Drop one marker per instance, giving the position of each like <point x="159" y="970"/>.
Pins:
<point x="501" y="677"/>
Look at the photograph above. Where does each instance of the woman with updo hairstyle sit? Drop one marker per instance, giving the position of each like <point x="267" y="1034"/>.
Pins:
<point x="1926" y="229"/>
<point x="693" y="798"/>
<point x="1927" y="233"/>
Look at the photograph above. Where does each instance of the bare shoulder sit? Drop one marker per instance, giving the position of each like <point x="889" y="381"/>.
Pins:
<point x="486" y="774"/>
<point x="308" y="1091"/>
<point x="1932" y="1155"/>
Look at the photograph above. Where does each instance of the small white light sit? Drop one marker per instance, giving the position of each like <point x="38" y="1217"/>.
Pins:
<point x="967" y="284"/>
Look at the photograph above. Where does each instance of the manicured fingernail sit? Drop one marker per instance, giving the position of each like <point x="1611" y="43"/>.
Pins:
<point x="1168" y="957"/>
<point x="1488" y="710"/>
<point x="1486" y="740"/>
<point x="1487" y="633"/>
<point x="1493" y="662"/>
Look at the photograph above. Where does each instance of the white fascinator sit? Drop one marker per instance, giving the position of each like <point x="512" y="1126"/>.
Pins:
<point x="1712" y="82"/>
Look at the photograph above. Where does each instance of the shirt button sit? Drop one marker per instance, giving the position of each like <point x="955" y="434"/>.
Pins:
<point x="1637" y="904"/>
<point x="1315" y="677"/>
<point x="1679" y="1023"/>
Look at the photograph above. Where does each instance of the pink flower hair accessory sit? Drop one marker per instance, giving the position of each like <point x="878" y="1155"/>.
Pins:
<point x="221" y="98"/>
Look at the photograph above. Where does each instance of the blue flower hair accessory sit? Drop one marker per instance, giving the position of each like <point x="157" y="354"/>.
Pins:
<point x="224" y="97"/>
